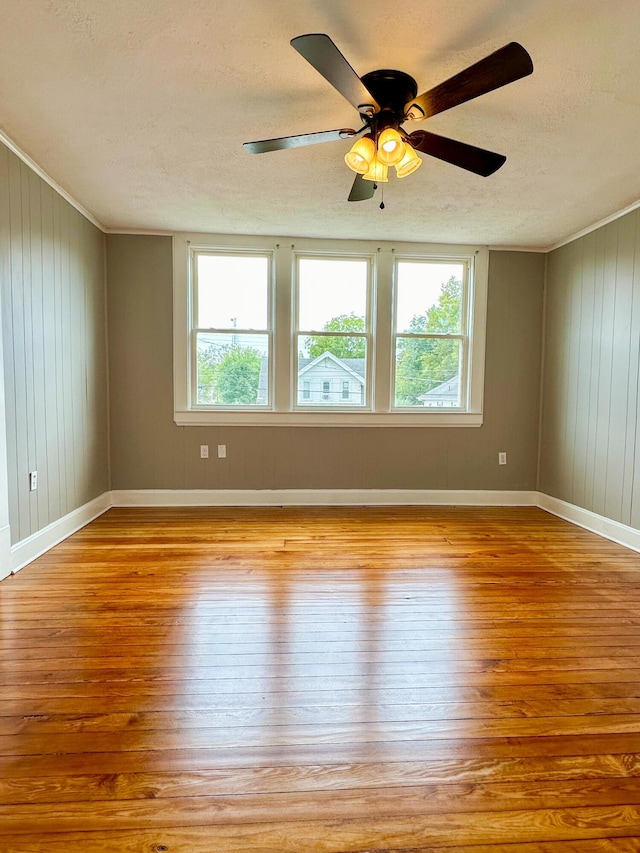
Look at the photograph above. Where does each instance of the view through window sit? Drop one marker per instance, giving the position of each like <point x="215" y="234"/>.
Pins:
<point x="381" y="336"/>
<point x="332" y="297"/>
<point x="232" y="329"/>
<point x="429" y="339"/>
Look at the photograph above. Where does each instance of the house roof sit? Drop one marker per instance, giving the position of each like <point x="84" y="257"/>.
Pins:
<point x="446" y="390"/>
<point x="139" y="110"/>
<point x="354" y="366"/>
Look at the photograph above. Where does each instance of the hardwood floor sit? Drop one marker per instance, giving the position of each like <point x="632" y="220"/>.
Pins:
<point x="322" y="680"/>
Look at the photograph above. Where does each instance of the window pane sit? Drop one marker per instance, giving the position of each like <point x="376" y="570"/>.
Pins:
<point x="428" y="372"/>
<point x="429" y="297"/>
<point x="232" y="369"/>
<point x="332" y="294"/>
<point x="232" y="291"/>
<point x="333" y="373"/>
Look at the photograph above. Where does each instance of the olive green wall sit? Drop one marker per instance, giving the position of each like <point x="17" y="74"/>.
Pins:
<point x="149" y="452"/>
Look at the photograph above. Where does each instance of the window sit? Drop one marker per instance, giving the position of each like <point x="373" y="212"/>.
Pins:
<point x="332" y="299"/>
<point x="231" y="333"/>
<point x="431" y="335"/>
<point x="327" y="332"/>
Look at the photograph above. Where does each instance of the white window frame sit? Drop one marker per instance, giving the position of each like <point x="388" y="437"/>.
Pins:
<point x="282" y="410"/>
<point x="195" y="252"/>
<point x="465" y="335"/>
<point x="369" y="260"/>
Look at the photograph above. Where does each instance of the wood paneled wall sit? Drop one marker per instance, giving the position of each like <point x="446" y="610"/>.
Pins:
<point x="149" y="452"/>
<point x="589" y="442"/>
<point x="53" y="313"/>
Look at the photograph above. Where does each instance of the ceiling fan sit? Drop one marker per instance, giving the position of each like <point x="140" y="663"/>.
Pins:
<point x="385" y="99"/>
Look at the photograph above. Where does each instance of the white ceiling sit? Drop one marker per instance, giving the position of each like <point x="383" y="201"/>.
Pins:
<point x="139" y="108"/>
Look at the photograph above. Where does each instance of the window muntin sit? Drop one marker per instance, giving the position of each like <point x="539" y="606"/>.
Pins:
<point x="332" y="336"/>
<point x="231" y="333"/>
<point x="431" y="333"/>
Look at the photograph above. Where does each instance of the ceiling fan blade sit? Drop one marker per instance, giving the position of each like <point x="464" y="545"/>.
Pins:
<point x="321" y="52"/>
<point x="506" y="65"/>
<point x="264" y="145"/>
<point x="361" y="189"/>
<point x="468" y="157"/>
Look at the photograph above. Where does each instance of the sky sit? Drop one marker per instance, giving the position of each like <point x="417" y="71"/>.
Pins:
<point x="328" y="288"/>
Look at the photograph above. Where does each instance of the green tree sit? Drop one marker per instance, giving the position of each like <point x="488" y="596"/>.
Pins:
<point x="237" y="375"/>
<point x="424" y="363"/>
<point x="208" y="359"/>
<point x="342" y="347"/>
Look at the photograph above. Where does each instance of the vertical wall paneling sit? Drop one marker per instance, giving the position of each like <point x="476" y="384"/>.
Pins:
<point x="53" y="318"/>
<point x="6" y="305"/>
<point x="606" y="366"/>
<point x="583" y="285"/>
<point x="49" y="311"/>
<point x="5" y="530"/>
<point x="572" y="308"/>
<point x="39" y="498"/>
<point x="621" y="347"/>
<point x="21" y="515"/>
<point x="596" y="261"/>
<point x="589" y="437"/>
<point x="631" y="507"/>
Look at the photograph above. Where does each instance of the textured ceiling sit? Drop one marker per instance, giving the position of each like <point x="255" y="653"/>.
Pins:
<point x="138" y="108"/>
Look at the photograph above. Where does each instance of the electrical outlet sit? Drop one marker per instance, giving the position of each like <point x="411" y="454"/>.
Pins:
<point x="33" y="481"/>
<point x="222" y="451"/>
<point x="502" y="458"/>
<point x="204" y="451"/>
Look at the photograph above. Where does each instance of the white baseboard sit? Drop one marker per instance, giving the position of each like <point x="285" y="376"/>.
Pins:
<point x="614" y="530"/>
<point x="29" y="549"/>
<point x="320" y="497"/>
<point x="38" y="543"/>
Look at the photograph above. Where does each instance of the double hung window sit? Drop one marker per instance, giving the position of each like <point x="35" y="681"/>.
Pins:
<point x="333" y="323"/>
<point x="231" y="337"/>
<point x="327" y="333"/>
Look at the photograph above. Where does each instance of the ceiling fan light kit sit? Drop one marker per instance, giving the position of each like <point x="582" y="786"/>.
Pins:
<point x="387" y="98"/>
<point x="361" y="154"/>
<point x="378" y="172"/>
<point x="390" y="147"/>
<point x="409" y="163"/>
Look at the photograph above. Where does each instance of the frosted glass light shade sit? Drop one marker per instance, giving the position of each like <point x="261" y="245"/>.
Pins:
<point x="361" y="155"/>
<point x="377" y="172"/>
<point x="409" y="163"/>
<point x="390" y="147"/>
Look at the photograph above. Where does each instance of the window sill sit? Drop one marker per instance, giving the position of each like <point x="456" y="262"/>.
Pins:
<point x="328" y="419"/>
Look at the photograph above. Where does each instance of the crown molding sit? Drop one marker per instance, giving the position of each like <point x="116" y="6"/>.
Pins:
<point x="28" y="161"/>
<point x="541" y="250"/>
<point x="139" y="232"/>
<point x="600" y="224"/>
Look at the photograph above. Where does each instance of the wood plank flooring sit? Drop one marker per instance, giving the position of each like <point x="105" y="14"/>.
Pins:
<point x="322" y="680"/>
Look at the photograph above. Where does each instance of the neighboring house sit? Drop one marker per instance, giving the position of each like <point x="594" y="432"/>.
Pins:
<point x="331" y="381"/>
<point x="445" y="395"/>
<point x="324" y="381"/>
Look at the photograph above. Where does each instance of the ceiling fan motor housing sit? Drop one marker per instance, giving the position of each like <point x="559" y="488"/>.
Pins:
<point x="392" y="91"/>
